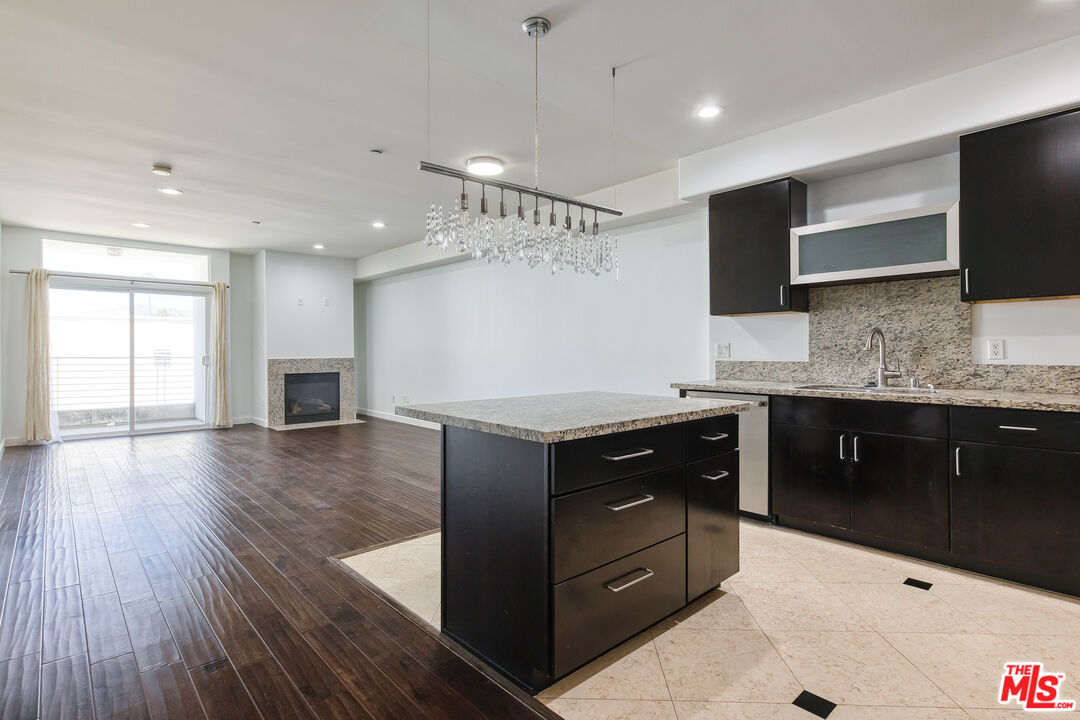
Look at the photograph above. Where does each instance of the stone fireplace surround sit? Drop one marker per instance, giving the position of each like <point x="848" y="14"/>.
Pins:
<point x="276" y="370"/>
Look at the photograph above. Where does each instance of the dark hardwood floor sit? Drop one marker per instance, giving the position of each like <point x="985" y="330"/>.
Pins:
<point x="187" y="575"/>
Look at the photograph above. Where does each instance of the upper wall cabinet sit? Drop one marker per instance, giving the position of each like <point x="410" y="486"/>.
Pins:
<point x="749" y="249"/>
<point x="1020" y="210"/>
<point x="919" y="242"/>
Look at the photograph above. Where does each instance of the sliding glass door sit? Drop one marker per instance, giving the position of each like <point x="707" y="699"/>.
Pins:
<point x="128" y="360"/>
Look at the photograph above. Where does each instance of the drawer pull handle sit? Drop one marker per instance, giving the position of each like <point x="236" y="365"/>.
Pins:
<point x="629" y="503"/>
<point x="718" y="476"/>
<point x="1017" y="427"/>
<point x="714" y="437"/>
<point x="636" y="452"/>
<point x="613" y="586"/>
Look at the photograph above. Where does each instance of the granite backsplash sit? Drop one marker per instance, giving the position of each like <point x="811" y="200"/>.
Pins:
<point x="926" y="328"/>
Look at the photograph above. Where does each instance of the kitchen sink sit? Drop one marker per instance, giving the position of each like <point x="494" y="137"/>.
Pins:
<point x="864" y="389"/>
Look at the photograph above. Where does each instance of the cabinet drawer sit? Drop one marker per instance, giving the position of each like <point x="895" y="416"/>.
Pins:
<point x="596" y="611"/>
<point x="878" y="416"/>
<point x="578" y="464"/>
<point x="1029" y="428"/>
<point x="596" y="526"/>
<point x="712" y="523"/>
<point x="708" y="438"/>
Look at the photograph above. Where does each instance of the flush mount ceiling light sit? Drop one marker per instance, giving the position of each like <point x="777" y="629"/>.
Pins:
<point x="170" y="191"/>
<point x="564" y="244"/>
<point x="317" y="246"/>
<point x="165" y="170"/>
<point x="378" y="224"/>
<point x="706" y="112"/>
<point x="484" y="165"/>
<point x="139" y="225"/>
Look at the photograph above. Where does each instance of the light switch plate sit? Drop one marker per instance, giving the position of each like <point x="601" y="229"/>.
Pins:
<point x="723" y="351"/>
<point x="995" y="349"/>
<point x="299" y="301"/>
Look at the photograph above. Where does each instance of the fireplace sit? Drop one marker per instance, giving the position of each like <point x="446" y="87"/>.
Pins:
<point x="312" y="397"/>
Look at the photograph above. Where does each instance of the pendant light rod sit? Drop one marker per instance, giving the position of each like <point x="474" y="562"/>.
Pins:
<point x="514" y="187"/>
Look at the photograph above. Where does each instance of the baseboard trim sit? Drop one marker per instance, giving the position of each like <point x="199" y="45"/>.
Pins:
<point x="398" y="418"/>
<point x="242" y="420"/>
<point x="261" y="422"/>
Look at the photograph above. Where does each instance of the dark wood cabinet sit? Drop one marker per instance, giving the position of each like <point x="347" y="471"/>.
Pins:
<point x="712" y="523"/>
<point x="810" y="479"/>
<point x="1019" y="210"/>
<point x="892" y="487"/>
<point x="553" y="553"/>
<point x="750" y="249"/>
<point x="900" y="489"/>
<point x="1015" y="495"/>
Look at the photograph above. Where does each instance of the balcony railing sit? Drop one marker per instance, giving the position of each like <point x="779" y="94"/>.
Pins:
<point x="97" y="390"/>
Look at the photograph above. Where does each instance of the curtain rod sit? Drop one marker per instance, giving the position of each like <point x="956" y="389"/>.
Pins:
<point x="91" y="276"/>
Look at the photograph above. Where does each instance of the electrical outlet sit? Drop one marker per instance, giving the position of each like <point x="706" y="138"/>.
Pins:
<point x="995" y="349"/>
<point x="405" y="399"/>
<point x="723" y="351"/>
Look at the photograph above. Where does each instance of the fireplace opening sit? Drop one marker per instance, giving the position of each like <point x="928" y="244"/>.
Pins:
<point x="312" y="397"/>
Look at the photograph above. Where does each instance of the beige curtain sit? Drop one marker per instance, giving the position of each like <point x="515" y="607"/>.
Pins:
<point x="38" y="411"/>
<point x="219" y="357"/>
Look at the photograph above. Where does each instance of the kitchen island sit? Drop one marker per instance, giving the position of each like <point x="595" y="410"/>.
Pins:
<point x="572" y="522"/>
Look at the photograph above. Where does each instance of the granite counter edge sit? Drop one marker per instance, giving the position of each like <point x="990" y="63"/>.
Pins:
<point x="573" y="433"/>
<point x="940" y="397"/>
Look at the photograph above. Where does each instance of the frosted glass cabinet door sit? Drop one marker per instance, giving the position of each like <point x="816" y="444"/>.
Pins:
<point x="918" y="241"/>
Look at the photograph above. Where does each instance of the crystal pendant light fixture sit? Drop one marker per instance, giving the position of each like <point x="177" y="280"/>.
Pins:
<point x="510" y="236"/>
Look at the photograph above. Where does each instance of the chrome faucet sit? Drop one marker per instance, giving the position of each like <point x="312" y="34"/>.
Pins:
<point x="883" y="373"/>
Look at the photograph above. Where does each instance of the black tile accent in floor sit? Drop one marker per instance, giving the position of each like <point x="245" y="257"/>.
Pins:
<point x="921" y="584"/>
<point x="814" y="704"/>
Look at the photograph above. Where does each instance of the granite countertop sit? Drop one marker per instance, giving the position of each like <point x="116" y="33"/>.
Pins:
<point x="569" y="416"/>
<point x="1060" y="402"/>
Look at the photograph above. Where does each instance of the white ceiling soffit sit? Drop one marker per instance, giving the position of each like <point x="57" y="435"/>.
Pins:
<point x="267" y="108"/>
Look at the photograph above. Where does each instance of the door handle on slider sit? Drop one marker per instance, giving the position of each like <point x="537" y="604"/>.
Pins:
<point x="719" y="476"/>
<point x="629" y="503"/>
<point x="636" y="452"/>
<point x="614" y="587"/>
<point x="714" y="437"/>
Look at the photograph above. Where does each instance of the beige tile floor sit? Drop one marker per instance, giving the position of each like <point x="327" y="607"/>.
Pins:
<point x="804" y="613"/>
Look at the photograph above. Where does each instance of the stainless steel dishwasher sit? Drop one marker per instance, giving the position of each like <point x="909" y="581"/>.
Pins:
<point x="753" y="451"/>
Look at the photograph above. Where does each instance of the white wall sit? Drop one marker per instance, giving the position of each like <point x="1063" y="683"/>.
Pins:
<point x="258" y="340"/>
<point x="470" y="330"/>
<point x="241" y="335"/>
<point x="321" y="327"/>
<point x="1035" y="333"/>
<point x="3" y="437"/>
<point x="22" y="251"/>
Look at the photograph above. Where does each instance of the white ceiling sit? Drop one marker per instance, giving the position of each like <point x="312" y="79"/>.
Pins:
<point x="267" y="109"/>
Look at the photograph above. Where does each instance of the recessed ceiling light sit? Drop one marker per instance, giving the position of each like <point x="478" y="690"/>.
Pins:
<point x="708" y="111"/>
<point x="139" y="225"/>
<point x="165" y="170"/>
<point x="170" y="191"/>
<point x="378" y="224"/>
<point x="317" y="246"/>
<point x="484" y="166"/>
